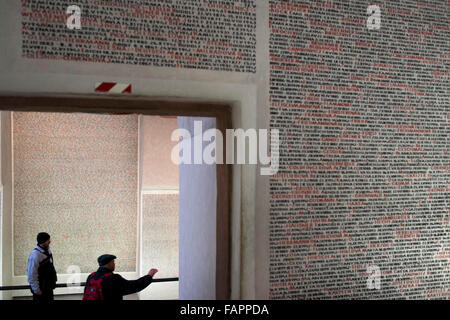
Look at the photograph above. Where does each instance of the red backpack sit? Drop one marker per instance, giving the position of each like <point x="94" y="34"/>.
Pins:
<point x="93" y="290"/>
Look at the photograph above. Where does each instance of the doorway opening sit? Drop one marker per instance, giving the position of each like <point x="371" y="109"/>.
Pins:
<point x="216" y="230"/>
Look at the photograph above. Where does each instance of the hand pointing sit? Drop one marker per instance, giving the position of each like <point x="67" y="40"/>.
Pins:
<point x="152" y="272"/>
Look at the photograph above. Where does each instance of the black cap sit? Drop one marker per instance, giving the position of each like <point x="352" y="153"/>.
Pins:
<point x="105" y="258"/>
<point x="42" y="237"/>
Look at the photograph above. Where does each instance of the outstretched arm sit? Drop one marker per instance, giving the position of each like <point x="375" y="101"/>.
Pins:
<point x="133" y="286"/>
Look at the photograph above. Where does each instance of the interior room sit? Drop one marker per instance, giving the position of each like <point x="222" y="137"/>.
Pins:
<point x="359" y="92"/>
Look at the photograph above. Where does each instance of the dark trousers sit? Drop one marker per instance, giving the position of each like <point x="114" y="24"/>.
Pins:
<point x="46" y="296"/>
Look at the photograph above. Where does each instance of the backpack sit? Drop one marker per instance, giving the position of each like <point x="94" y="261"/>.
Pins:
<point x="93" y="290"/>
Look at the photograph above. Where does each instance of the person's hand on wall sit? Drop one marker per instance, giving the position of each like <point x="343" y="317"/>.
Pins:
<point x="152" y="272"/>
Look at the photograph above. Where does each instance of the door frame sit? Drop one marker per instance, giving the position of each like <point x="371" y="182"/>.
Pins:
<point x="155" y="106"/>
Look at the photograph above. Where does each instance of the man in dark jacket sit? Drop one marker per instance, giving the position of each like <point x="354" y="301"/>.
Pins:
<point x="114" y="286"/>
<point x="40" y="270"/>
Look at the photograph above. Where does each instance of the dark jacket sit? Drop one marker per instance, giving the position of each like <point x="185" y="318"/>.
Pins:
<point x="41" y="271"/>
<point x="114" y="287"/>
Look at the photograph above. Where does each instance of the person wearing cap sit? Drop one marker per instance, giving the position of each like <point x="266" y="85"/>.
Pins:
<point x="114" y="286"/>
<point x="41" y="272"/>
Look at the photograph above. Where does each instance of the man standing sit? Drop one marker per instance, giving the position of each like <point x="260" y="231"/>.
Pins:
<point x="40" y="269"/>
<point x="105" y="285"/>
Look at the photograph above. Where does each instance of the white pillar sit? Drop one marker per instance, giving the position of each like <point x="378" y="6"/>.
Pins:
<point x="197" y="221"/>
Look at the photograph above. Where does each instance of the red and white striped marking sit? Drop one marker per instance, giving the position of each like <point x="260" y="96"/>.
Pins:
<point x="113" y="87"/>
